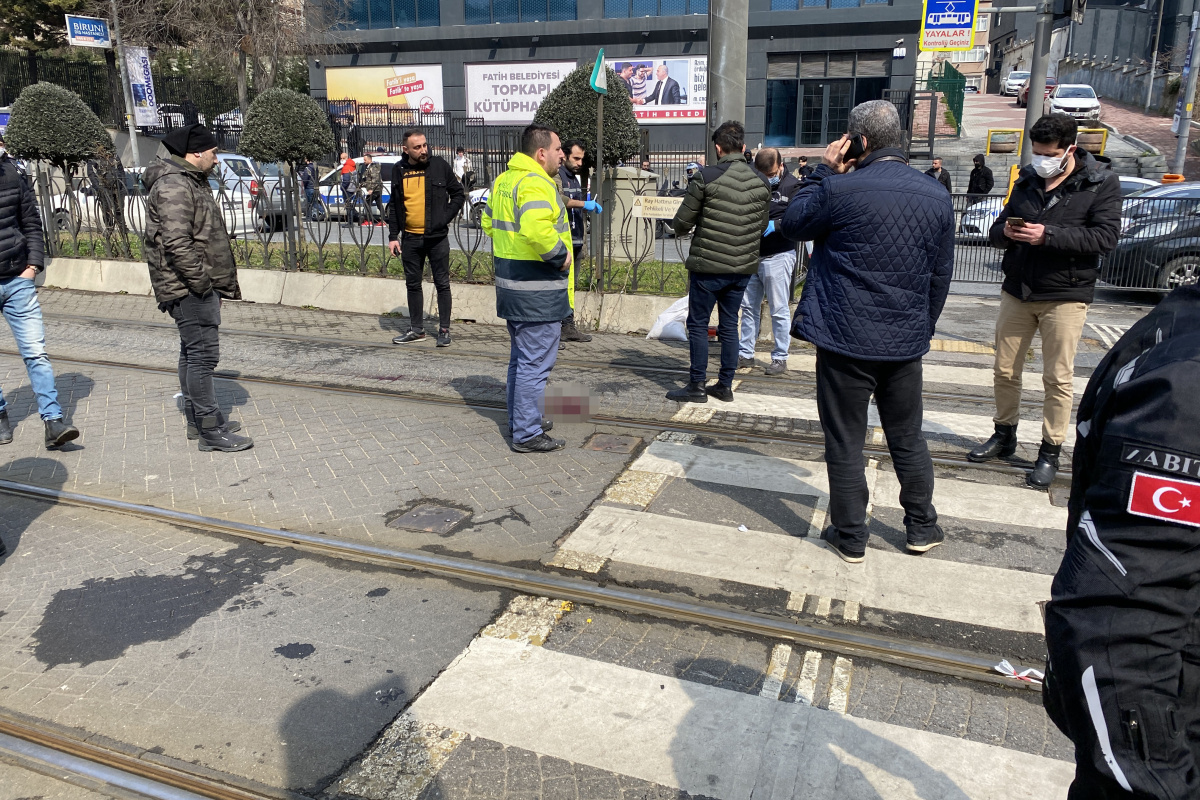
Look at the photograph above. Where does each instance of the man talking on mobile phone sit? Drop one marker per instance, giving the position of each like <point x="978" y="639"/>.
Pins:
<point x="1064" y="213"/>
<point x="883" y="256"/>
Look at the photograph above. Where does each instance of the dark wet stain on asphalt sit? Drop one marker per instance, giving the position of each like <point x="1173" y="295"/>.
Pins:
<point x="103" y="617"/>
<point x="296" y="650"/>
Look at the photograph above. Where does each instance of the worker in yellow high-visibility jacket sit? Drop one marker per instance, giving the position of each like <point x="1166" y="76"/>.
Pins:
<point x="531" y="251"/>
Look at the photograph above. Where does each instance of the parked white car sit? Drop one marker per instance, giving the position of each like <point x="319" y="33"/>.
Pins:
<point x="1076" y="100"/>
<point x="329" y="188"/>
<point x="1012" y="84"/>
<point x="80" y="210"/>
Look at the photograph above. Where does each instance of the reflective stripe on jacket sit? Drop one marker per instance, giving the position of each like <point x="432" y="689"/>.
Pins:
<point x="531" y="241"/>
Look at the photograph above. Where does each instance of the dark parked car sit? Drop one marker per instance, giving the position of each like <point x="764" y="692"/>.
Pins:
<point x="1023" y="94"/>
<point x="1159" y="246"/>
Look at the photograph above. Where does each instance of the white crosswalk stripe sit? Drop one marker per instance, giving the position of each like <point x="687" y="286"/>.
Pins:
<point x="967" y="426"/>
<point x="887" y="580"/>
<point x="961" y="499"/>
<point x="1109" y="334"/>
<point x="715" y="742"/>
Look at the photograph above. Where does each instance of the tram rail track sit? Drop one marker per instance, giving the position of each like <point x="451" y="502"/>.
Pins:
<point x="876" y="646"/>
<point x="36" y="746"/>
<point x="658" y="426"/>
<point x="566" y="360"/>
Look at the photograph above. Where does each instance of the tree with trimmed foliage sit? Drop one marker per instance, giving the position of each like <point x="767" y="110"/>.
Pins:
<point x="286" y="127"/>
<point x="50" y="123"/>
<point x="571" y="110"/>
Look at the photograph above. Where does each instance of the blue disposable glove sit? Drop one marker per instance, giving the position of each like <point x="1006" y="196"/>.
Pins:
<point x="593" y="206"/>
<point x="770" y="228"/>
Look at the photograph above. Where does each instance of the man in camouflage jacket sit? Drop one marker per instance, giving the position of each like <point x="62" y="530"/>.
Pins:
<point x="372" y="186"/>
<point x="191" y="269"/>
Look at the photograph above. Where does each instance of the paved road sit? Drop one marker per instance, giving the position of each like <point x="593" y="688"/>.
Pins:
<point x="352" y="681"/>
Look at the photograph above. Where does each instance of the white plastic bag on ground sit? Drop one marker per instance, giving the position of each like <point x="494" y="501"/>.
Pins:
<point x="670" y="324"/>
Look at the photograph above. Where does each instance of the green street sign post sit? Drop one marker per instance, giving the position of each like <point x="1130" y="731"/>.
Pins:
<point x="599" y="83"/>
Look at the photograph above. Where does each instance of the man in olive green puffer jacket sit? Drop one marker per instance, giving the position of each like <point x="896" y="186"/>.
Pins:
<point x="727" y="205"/>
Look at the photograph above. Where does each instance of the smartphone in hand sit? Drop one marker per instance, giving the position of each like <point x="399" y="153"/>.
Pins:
<point x="1015" y="222"/>
<point x="856" y="148"/>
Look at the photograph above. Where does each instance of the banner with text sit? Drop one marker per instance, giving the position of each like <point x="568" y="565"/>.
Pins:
<point x="664" y="90"/>
<point x="414" y="86"/>
<point x="509" y="94"/>
<point x="141" y="84"/>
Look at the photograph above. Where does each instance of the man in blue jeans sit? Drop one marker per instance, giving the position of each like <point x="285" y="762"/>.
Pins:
<point x="22" y="257"/>
<point x="777" y="264"/>
<point x="727" y="205"/>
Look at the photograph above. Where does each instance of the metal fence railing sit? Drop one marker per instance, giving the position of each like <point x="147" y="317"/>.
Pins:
<point x="97" y="214"/>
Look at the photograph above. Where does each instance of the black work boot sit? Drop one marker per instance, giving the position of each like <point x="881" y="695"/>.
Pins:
<point x="692" y="393"/>
<point x="721" y="392"/>
<point x="1002" y="444"/>
<point x="571" y="332"/>
<point x="1046" y="466"/>
<point x="193" y="432"/>
<point x="6" y="433"/>
<point x="215" y="436"/>
<point x="59" y="433"/>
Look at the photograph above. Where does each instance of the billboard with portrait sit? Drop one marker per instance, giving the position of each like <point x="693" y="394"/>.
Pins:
<point x="664" y="90"/>
<point x="509" y="94"/>
<point x="414" y="86"/>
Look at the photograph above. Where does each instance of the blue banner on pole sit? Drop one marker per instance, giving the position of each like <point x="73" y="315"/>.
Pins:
<point x="88" y="31"/>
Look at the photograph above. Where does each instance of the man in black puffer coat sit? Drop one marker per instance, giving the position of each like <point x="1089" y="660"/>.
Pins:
<point x="22" y="257"/>
<point x="1063" y="215"/>
<point x="727" y="205"/>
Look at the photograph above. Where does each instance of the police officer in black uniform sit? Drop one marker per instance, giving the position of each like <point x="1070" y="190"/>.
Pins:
<point x="1123" y="677"/>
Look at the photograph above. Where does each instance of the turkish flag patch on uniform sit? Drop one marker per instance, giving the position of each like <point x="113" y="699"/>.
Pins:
<point x="1168" y="499"/>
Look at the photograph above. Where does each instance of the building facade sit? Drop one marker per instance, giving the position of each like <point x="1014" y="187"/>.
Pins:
<point x="809" y="62"/>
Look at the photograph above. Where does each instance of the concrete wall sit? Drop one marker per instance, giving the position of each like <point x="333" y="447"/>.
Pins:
<point x="612" y="313"/>
<point x="1121" y="83"/>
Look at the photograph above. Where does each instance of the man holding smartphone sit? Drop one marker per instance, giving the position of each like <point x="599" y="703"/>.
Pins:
<point x="1064" y="213"/>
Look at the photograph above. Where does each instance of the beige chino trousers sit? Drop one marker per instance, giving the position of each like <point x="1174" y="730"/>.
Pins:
<point x="1061" y="324"/>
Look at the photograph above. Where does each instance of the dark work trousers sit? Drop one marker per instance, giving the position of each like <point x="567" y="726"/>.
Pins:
<point x="414" y="250"/>
<point x="844" y="389"/>
<point x="375" y="200"/>
<point x="198" y="319"/>
<point x="725" y="292"/>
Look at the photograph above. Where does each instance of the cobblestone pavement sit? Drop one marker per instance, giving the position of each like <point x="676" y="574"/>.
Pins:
<point x="349" y="683"/>
<point x="224" y="654"/>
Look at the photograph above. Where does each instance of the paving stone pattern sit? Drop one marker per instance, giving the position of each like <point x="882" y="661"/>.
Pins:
<point x="480" y="768"/>
<point x="1008" y="718"/>
<point x="322" y="462"/>
<point x="257" y="661"/>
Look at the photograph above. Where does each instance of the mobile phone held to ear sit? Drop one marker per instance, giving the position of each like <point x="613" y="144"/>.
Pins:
<point x="856" y="148"/>
<point x="1015" y="222"/>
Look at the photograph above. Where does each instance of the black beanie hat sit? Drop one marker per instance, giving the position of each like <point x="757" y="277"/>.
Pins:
<point x="189" y="139"/>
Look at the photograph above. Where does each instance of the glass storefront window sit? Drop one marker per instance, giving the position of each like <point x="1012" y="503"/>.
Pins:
<point x="781" y="113"/>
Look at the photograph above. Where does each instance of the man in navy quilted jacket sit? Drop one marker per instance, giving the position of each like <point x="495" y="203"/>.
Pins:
<point x="880" y="271"/>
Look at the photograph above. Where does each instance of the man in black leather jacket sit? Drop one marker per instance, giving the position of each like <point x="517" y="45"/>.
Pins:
<point x="1064" y="213"/>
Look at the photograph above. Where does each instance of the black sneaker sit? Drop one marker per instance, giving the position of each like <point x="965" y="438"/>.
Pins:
<point x="6" y="431"/>
<point x="830" y="537"/>
<point x="410" y="337"/>
<point x="443" y="337"/>
<point x="777" y="367"/>
<point x="692" y="393"/>
<point x="721" y="392"/>
<point x="59" y="432"/>
<point x="571" y="333"/>
<point x="926" y="540"/>
<point x="214" y="436"/>
<point x="743" y="363"/>
<point x="539" y="444"/>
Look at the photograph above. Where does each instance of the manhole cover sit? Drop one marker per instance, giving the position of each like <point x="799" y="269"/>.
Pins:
<point x="611" y="443"/>
<point x="431" y="519"/>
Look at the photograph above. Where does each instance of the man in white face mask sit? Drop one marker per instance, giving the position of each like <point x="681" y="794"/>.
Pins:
<point x="1064" y="213"/>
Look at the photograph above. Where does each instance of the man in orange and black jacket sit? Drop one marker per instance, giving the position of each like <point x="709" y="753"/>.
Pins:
<point x="426" y="197"/>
